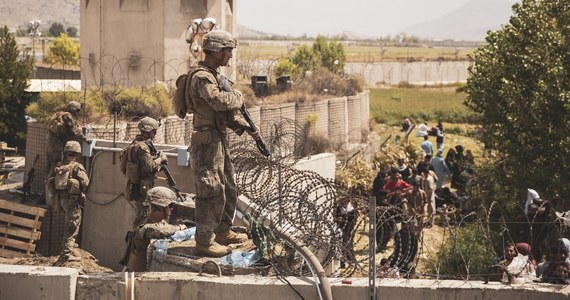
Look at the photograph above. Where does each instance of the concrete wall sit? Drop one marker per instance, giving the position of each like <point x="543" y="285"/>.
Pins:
<point x="190" y="286"/>
<point x="35" y="282"/>
<point x="31" y="282"/>
<point x="108" y="215"/>
<point x="418" y="72"/>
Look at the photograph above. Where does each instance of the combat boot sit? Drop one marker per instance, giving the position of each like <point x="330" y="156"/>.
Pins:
<point x="212" y="250"/>
<point x="230" y="237"/>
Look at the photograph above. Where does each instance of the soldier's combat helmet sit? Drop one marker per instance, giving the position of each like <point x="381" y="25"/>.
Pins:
<point x="216" y="40"/>
<point x="73" y="106"/>
<point x="148" y="124"/>
<point x="160" y="196"/>
<point x="72" y="146"/>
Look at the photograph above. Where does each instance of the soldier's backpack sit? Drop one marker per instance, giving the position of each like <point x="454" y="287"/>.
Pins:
<point x="128" y="166"/>
<point x="62" y="177"/>
<point x="56" y="123"/>
<point x="182" y="101"/>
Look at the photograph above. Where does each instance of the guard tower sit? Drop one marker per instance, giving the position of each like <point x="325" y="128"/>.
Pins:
<point x="139" y="42"/>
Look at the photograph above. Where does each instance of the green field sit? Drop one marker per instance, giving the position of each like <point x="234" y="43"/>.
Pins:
<point x="391" y="105"/>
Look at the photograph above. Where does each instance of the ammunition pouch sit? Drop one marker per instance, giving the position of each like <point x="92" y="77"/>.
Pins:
<point x="201" y="137"/>
<point x="74" y="187"/>
<point x="133" y="192"/>
<point x="132" y="172"/>
<point x="145" y="185"/>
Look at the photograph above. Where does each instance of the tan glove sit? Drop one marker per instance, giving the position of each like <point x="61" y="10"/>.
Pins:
<point x="163" y="158"/>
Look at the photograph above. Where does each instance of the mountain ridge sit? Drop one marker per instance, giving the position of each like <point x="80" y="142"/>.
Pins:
<point x="465" y="23"/>
<point x="470" y="22"/>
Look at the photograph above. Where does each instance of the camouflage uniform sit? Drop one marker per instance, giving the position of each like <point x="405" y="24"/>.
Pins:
<point x="147" y="230"/>
<point x="71" y="200"/>
<point x="216" y="192"/>
<point x="141" y="239"/>
<point x="137" y="188"/>
<point x="62" y="128"/>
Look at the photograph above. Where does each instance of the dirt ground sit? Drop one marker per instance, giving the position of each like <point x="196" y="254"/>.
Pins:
<point x="88" y="263"/>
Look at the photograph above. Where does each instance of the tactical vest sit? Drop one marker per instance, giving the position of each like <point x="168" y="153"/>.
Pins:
<point x="205" y="117"/>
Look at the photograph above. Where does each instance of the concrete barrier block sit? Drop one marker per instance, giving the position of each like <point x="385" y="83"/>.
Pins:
<point x="34" y="282"/>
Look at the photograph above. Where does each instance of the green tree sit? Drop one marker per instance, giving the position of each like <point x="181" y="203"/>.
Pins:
<point x="72" y="31"/>
<point x="323" y="54"/>
<point x="330" y="55"/>
<point x="13" y="82"/>
<point x="305" y="58"/>
<point x="64" y="51"/>
<point x="520" y="84"/>
<point x="56" y="29"/>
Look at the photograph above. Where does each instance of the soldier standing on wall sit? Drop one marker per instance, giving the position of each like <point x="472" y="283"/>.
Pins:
<point x="215" y="110"/>
<point x="142" y="167"/>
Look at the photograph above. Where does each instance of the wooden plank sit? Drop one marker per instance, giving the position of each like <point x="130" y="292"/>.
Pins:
<point x="25" y="246"/>
<point x="30" y="223"/>
<point x="19" y="232"/>
<point x="27" y="209"/>
<point x="11" y="254"/>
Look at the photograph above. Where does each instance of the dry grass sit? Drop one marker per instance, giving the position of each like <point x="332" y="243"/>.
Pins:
<point x="360" y="53"/>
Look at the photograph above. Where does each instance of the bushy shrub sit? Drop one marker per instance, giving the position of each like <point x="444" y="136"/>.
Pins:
<point x="323" y="81"/>
<point x="132" y="103"/>
<point x="153" y="101"/>
<point x="464" y="254"/>
<point x="356" y="177"/>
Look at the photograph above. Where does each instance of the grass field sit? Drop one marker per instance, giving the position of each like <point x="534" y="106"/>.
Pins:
<point x="391" y="105"/>
<point x="359" y="53"/>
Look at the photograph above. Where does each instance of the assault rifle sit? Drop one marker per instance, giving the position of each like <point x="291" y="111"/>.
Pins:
<point x="28" y="184"/>
<point x="259" y="140"/>
<point x="226" y="85"/>
<point x="164" y="168"/>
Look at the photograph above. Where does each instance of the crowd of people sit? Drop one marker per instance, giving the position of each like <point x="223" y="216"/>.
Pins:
<point x="408" y="198"/>
<point x="542" y="254"/>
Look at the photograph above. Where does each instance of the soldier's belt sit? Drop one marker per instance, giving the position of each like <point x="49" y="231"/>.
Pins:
<point x="203" y="128"/>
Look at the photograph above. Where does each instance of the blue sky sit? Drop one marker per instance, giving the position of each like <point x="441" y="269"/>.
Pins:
<point x="365" y="17"/>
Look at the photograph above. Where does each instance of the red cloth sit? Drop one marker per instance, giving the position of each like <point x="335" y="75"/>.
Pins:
<point x="393" y="186"/>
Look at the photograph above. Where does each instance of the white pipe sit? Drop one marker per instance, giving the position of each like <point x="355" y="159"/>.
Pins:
<point x="127" y="285"/>
<point x="132" y="285"/>
<point x="111" y="149"/>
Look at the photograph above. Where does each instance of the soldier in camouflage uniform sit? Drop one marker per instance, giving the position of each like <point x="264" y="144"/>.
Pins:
<point x="215" y="108"/>
<point x="142" y="167"/>
<point x="63" y="127"/>
<point x="155" y="226"/>
<point x="67" y="183"/>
